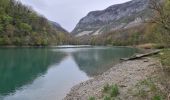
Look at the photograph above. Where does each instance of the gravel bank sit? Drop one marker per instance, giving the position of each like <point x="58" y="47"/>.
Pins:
<point x="126" y="75"/>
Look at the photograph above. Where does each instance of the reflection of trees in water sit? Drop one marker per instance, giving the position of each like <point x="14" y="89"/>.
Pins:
<point x="21" y="66"/>
<point x="96" y="61"/>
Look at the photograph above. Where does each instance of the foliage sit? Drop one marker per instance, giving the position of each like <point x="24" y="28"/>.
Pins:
<point x="156" y="29"/>
<point x="110" y="91"/>
<point x="114" y="91"/>
<point x="106" y="88"/>
<point x="157" y="97"/>
<point x="91" y="98"/>
<point x="162" y="12"/>
<point x="107" y="98"/>
<point x="161" y="19"/>
<point x="123" y="37"/>
<point x="148" y="89"/>
<point x="20" y="25"/>
<point x="164" y="57"/>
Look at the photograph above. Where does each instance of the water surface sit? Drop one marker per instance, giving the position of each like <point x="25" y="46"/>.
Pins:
<point x="49" y="73"/>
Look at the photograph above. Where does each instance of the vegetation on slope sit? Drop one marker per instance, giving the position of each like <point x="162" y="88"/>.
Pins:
<point x="109" y="92"/>
<point x="156" y="30"/>
<point x="20" y="25"/>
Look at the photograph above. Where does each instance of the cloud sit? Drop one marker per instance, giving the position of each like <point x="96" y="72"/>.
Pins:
<point x="68" y="12"/>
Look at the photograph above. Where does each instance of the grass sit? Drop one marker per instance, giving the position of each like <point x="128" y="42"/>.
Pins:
<point x="150" y="46"/>
<point x="91" y="98"/>
<point x="114" y="91"/>
<point x="148" y="90"/>
<point x="107" y="98"/>
<point x="164" y="57"/>
<point x="106" y="88"/>
<point x="150" y="84"/>
<point x="157" y="97"/>
<point x="110" y="91"/>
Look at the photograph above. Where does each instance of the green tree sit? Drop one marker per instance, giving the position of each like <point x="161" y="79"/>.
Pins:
<point x="20" y="25"/>
<point x="10" y="30"/>
<point x="25" y="27"/>
<point x="6" y="19"/>
<point x="1" y="28"/>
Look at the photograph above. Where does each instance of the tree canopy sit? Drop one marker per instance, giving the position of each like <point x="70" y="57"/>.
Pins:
<point x="20" y="25"/>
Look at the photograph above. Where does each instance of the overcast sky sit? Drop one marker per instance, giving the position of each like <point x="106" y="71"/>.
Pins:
<point x="68" y="12"/>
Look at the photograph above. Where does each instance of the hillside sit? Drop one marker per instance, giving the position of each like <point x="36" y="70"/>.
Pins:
<point x="113" y="18"/>
<point x="58" y="26"/>
<point x="20" y="25"/>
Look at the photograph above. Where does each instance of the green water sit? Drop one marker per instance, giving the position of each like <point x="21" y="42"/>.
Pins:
<point x="49" y="73"/>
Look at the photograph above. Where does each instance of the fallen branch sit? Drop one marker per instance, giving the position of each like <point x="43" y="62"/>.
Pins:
<point x="141" y="55"/>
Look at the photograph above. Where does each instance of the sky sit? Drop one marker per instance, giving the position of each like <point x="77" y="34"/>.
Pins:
<point x="68" y="12"/>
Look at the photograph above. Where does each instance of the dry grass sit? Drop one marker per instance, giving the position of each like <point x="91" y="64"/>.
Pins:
<point x="150" y="46"/>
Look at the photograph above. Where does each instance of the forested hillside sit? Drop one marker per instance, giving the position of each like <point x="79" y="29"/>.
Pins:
<point x="20" y="25"/>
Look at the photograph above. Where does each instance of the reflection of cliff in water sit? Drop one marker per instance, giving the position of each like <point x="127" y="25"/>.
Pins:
<point x="96" y="61"/>
<point x="20" y="66"/>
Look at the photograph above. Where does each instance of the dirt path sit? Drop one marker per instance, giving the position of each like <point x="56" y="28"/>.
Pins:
<point x="126" y="75"/>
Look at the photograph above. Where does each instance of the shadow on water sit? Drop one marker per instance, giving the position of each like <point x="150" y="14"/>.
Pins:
<point x="96" y="61"/>
<point x="20" y="66"/>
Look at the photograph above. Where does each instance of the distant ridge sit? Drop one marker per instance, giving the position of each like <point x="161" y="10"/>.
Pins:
<point x="58" y="26"/>
<point x="115" y="17"/>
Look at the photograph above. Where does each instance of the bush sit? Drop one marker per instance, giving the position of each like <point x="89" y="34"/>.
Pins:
<point x="165" y="59"/>
<point x="25" y="27"/>
<point x="107" y="98"/>
<point x="109" y="92"/>
<point x="91" y="98"/>
<point x="157" y="97"/>
<point x="106" y="88"/>
<point x="114" y="91"/>
<point x="17" y="41"/>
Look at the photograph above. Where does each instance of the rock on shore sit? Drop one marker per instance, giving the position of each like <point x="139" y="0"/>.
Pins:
<point x="126" y="75"/>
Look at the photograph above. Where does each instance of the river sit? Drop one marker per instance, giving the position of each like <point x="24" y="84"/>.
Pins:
<point x="50" y="73"/>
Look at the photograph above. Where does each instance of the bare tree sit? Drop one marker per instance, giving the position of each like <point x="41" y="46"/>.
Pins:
<point x="161" y="15"/>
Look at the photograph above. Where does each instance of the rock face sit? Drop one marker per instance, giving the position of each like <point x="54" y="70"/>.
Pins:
<point x="58" y="27"/>
<point x="115" y="17"/>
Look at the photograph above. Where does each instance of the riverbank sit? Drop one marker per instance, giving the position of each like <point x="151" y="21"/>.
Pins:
<point x="131" y="77"/>
<point x="50" y="46"/>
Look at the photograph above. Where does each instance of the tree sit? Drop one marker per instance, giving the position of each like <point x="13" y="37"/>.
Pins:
<point x="10" y="30"/>
<point x="161" y="13"/>
<point x="161" y="18"/>
<point x="25" y="28"/>
<point x="20" y="25"/>
<point x="1" y="28"/>
<point x="6" y="19"/>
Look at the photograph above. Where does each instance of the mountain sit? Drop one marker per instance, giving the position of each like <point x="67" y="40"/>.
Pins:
<point x="58" y="27"/>
<point x="115" y="17"/>
<point x="22" y="26"/>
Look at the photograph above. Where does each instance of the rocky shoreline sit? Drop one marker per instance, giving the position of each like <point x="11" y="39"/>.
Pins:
<point x="126" y="75"/>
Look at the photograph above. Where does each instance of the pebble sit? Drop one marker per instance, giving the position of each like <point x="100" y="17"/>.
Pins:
<point x="126" y="75"/>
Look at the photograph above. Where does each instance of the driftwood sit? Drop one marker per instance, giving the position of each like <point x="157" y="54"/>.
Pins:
<point x="141" y="55"/>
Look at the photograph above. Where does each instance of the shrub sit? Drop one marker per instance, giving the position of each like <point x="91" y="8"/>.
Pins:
<point x="106" y="88"/>
<point x="157" y="97"/>
<point x="165" y="59"/>
<point x="91" y="98"/>
<point x="107" y="98"/>
<point x="114" y="91"/>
